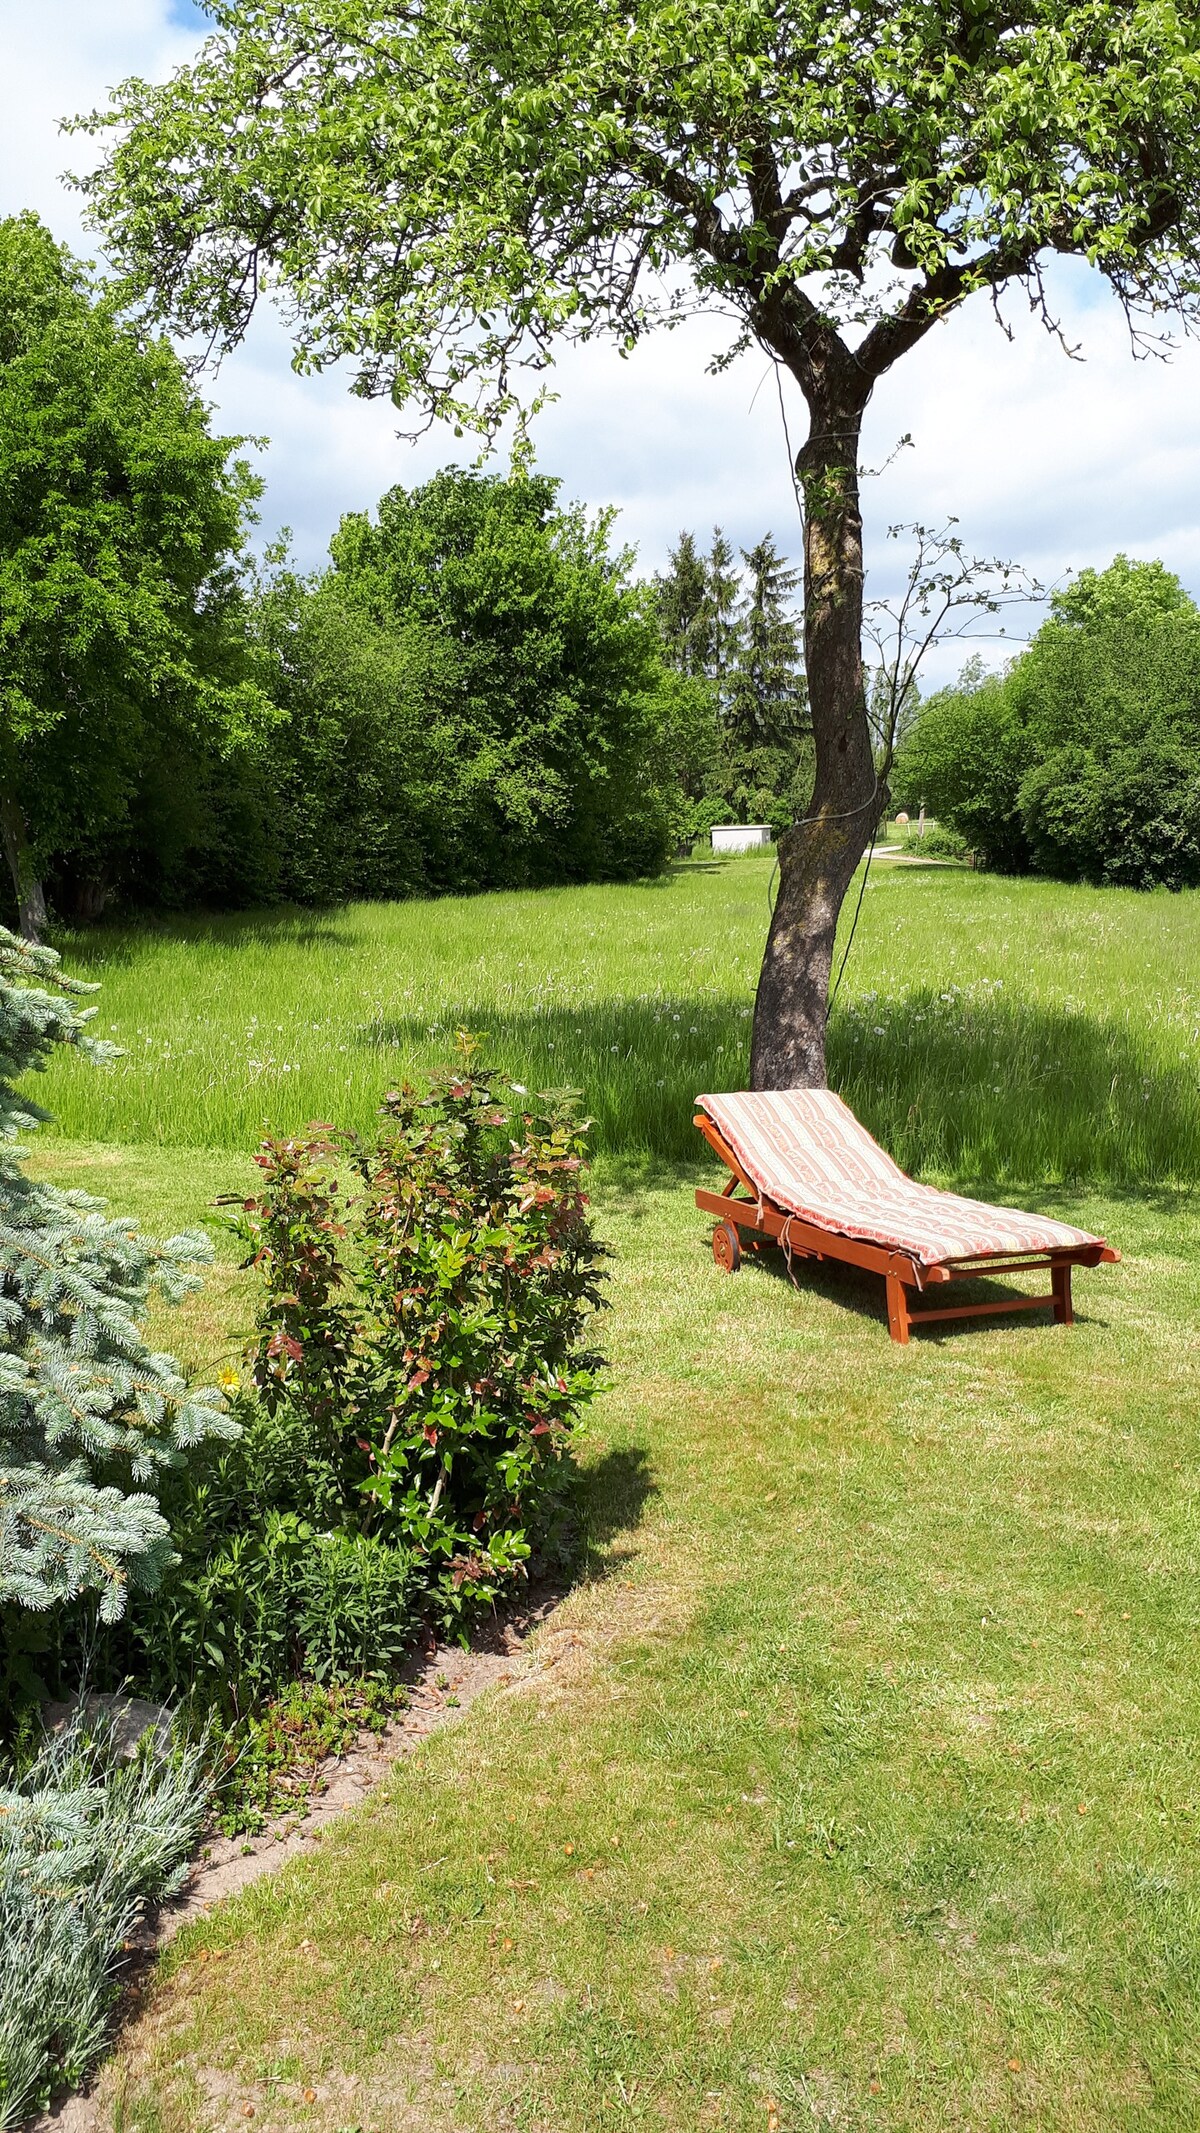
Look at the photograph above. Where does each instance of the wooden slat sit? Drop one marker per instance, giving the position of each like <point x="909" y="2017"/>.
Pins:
<point x="806" y="1241"/>
<point x="1004" y="1266"/>
<point x="1009" y="1303"/>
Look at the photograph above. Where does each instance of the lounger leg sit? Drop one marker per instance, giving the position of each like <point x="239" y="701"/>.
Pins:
<point x="1060" y="1282"/>
<point x="897" y="1304"/>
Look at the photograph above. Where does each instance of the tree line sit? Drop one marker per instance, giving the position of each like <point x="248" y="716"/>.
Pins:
<point x="477" y="691"/>
<point x="1082" y="758"/>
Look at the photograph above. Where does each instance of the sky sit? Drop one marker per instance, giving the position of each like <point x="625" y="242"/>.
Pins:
<point x="1053" y="463"/>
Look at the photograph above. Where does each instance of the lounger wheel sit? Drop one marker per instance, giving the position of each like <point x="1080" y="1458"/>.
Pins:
<point x="727" y="1247"/>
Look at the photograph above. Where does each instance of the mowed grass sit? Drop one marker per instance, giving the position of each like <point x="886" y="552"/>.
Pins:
<point x="857" y="1785"/>
<point x="985" y="1028"/>
<point x="857" y="1782"/>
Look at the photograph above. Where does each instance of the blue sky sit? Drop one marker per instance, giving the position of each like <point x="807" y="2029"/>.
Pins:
<point x="1057" y="464"/>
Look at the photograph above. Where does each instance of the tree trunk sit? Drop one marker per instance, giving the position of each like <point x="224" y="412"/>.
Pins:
<point x="817" y="858"/>
<point x="90" y="898"/>
<point x="27" y="888"/>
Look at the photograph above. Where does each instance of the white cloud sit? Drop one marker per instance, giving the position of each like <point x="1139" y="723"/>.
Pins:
<point x="62" y="57"/>
<point x="1056" y="464"/>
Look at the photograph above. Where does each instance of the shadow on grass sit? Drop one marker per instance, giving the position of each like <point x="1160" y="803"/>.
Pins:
<point x="101" y="947"/>
<point x="853" y="1289"/>
<point x="124" y="940"/>
<point x="973" y="1083"/>
<point x="612" y="1498"/>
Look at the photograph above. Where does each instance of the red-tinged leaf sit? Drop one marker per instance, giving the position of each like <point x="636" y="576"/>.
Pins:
<point x="430" y="1433"/>
<point x="417" y="1379"/>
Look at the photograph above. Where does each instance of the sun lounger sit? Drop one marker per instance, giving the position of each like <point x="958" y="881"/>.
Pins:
<point x="803" y="1172"/>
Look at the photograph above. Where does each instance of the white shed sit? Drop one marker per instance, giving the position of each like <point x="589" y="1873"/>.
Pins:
<point x="741" y="836"/>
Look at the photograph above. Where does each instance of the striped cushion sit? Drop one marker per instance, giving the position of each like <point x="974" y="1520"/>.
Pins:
<point x="805" y="1150"/>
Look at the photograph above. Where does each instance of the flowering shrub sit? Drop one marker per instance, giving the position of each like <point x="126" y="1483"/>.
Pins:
<point x="430" y="1327"/>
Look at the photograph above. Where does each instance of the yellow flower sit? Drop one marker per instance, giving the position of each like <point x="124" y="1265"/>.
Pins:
<point x="228" y="1380"/>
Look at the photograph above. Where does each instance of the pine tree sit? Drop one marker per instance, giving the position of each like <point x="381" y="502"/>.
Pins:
<point x="767" y="698"/>
<point x="85" y="1404"/>
<point x="698" y="608"/>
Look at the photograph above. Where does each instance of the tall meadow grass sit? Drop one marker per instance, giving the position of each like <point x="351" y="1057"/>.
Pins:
<point x="985" y="1029"/>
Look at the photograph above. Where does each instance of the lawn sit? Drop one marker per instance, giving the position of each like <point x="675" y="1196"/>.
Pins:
<point x="985" y="1027"/>
<point x="858" y="1782"/>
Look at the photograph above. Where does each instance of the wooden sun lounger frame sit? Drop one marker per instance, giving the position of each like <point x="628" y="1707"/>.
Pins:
<point x="741" y="1206"/>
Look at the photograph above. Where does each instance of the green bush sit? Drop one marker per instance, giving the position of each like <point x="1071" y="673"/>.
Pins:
<point x="419" y="1367"/>
<point x="424" y="1335"/>
<point x="1130" y="817"/>
<point x="936" y="842"/>
<point x="1083" y="759"/>
<point x="964" y="757"/>
<point x="474" y="697"/>
<point x="270" y="1586"/>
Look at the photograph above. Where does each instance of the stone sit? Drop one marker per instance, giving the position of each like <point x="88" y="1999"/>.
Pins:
<point x="132" y="1717"/>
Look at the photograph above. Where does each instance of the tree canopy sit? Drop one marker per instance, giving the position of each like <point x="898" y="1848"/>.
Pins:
<point x="474" y="695"/>
<point x="1083" y="758"/>
<point x="121" y="522"/>
<point x="440" y="198"/>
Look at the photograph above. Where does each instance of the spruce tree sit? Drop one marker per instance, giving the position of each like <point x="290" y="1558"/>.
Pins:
<point x="698" y="609"/>
<point x="767" y="700"/>
<point x="683" y="617"/>
<point x="86" y="1407"/>
<point x="721" y="622"/>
